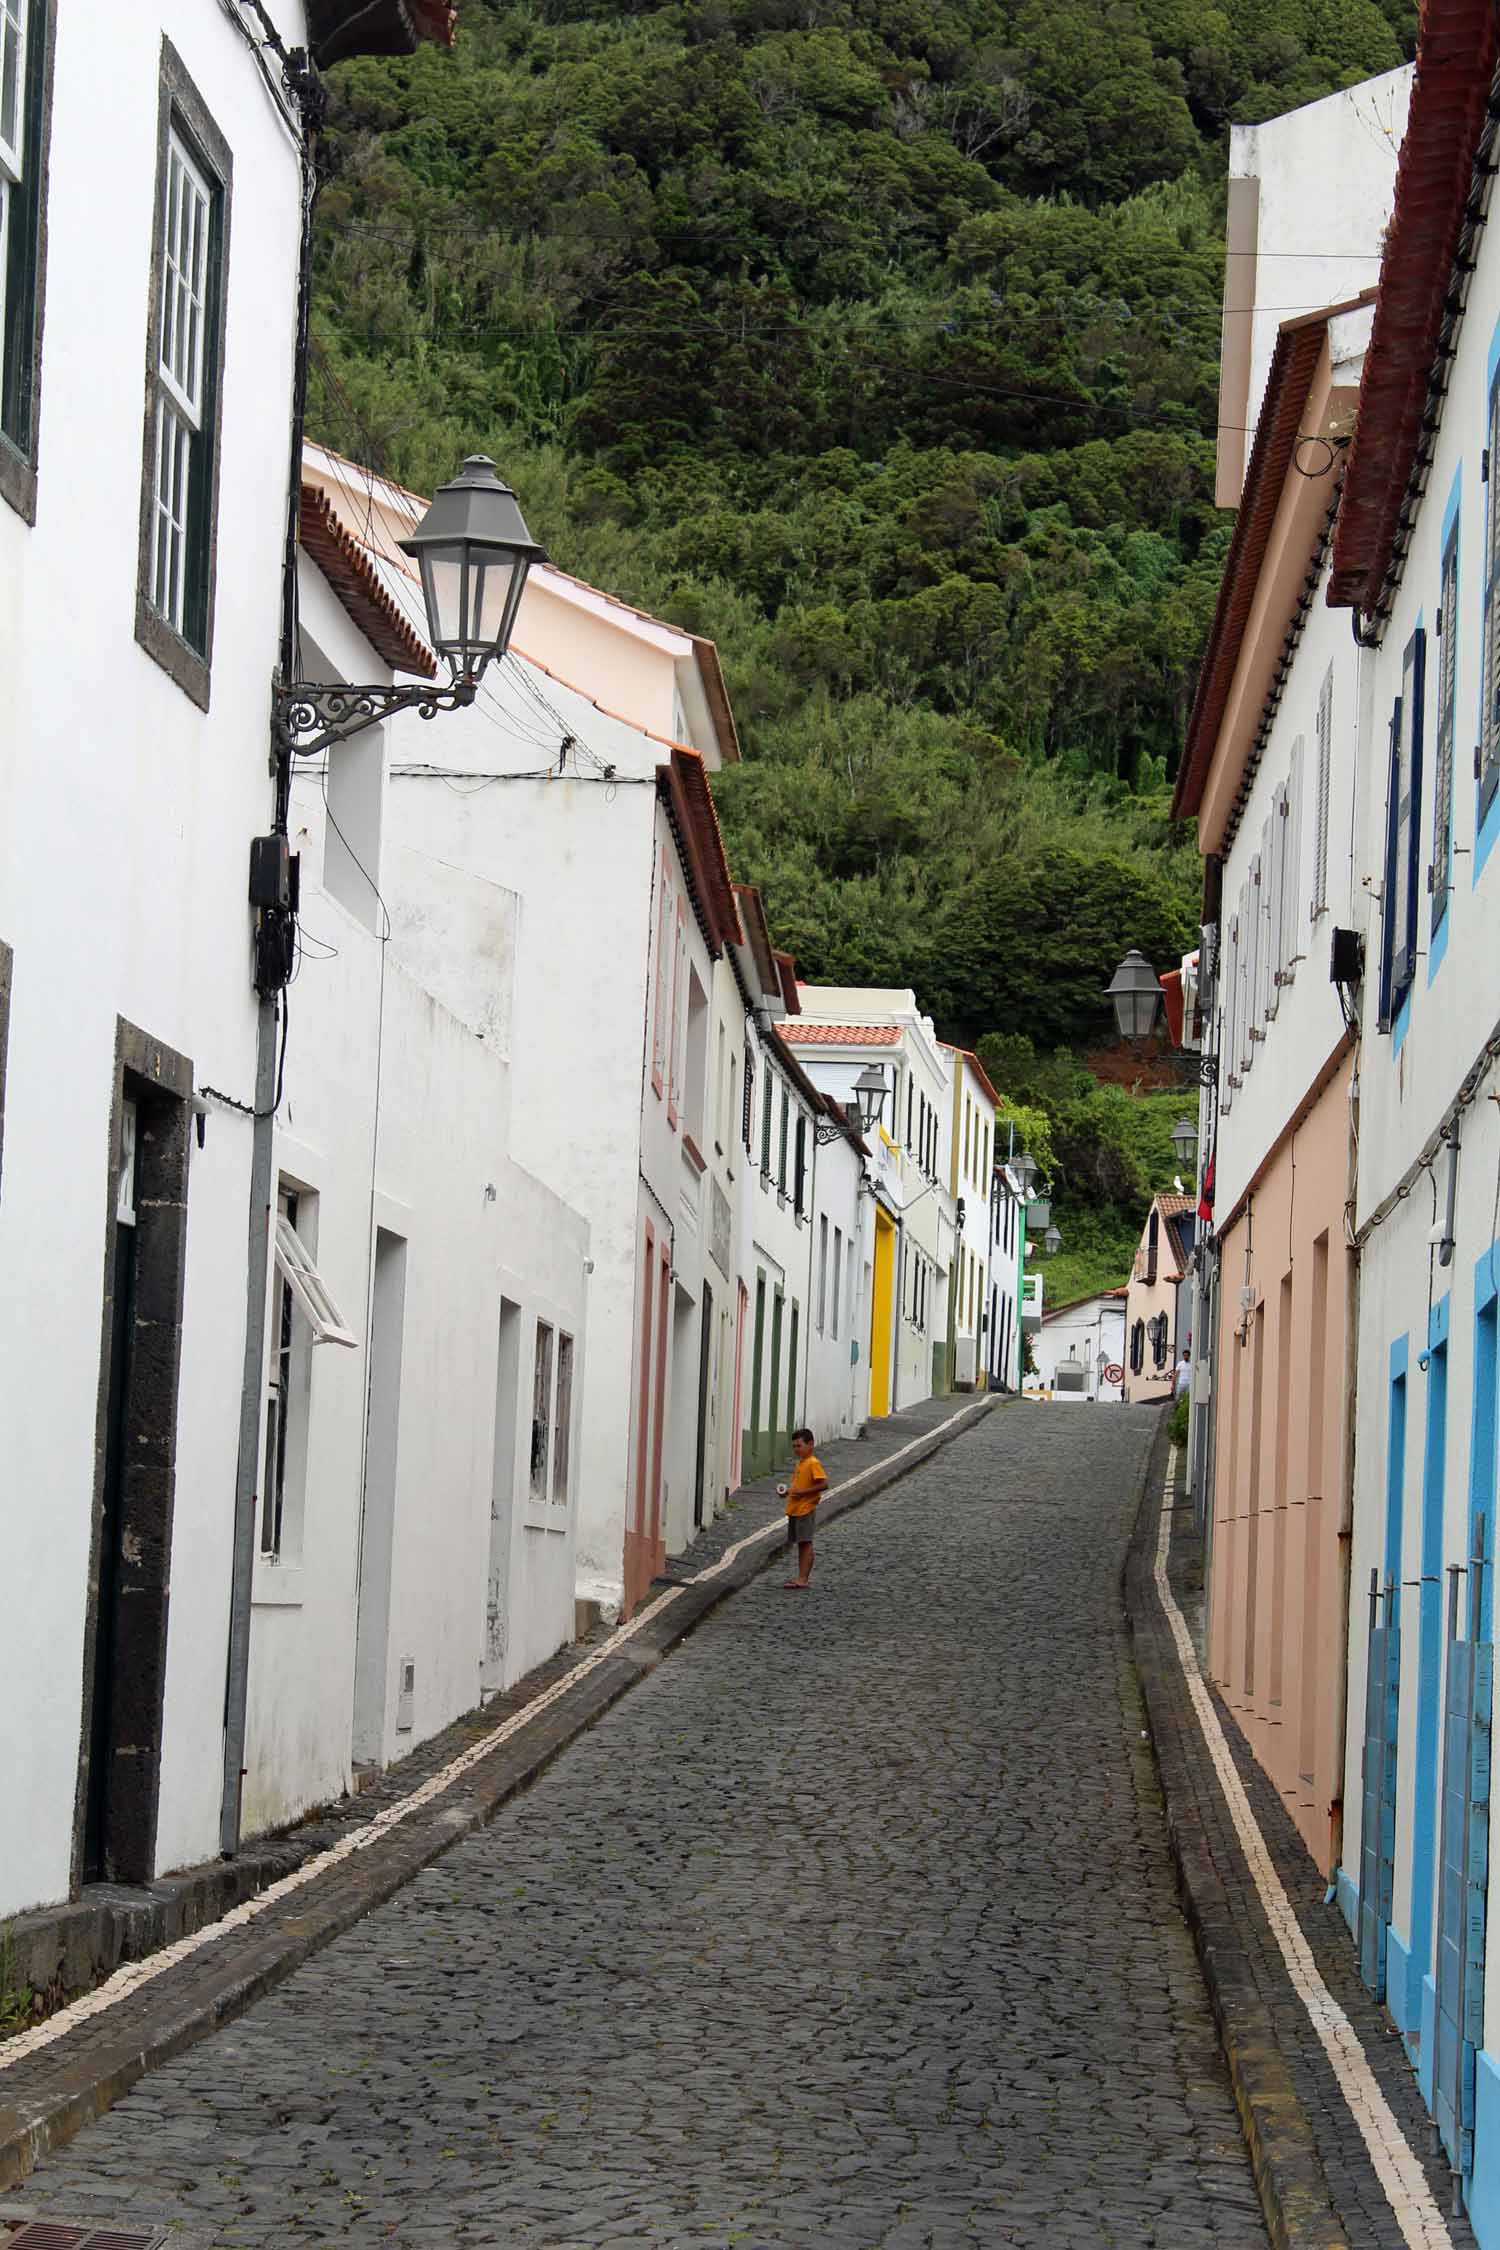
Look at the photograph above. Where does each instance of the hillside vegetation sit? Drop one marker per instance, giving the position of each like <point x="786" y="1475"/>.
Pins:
<point x="877" y="339"/>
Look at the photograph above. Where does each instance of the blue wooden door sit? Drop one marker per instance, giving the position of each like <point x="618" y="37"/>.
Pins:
<point x="1464" y="1874"/>
<point x="1377" y="1834"/>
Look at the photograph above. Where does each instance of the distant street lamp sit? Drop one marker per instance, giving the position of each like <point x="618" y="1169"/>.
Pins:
<point x="1052" y="1241"/>
<point x="870" y="1092"/>
<point x="1135" y="990"/>
<point x="1184" y="1141"/>
<point x="1024" y="1167"/>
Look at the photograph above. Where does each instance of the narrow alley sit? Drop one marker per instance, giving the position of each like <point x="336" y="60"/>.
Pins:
<point x="853" y="1924"/>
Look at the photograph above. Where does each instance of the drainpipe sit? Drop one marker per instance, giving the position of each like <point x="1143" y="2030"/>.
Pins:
<point x="1346" y="1501"/>
<point x="303" y="81"/>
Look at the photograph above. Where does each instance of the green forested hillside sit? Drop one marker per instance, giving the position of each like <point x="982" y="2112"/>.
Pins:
<point x="877" y="339"/>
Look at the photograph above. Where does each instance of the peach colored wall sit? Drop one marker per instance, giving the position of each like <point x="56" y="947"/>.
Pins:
<point x="1277" y="1623"/>
<point x="607" y="661"/>
<point x="1144" y="1302"/>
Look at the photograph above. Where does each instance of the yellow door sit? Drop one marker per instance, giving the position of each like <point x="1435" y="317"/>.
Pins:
<point x="882" y="1293"/>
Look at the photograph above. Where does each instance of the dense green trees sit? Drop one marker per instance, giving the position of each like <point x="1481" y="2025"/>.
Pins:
<point x="876" y="338"/>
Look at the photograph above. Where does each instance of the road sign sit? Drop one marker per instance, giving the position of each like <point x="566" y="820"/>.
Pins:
<point x="1112" y="1372"/>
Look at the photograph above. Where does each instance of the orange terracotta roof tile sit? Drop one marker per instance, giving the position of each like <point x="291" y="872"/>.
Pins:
<point x="346" y="564"/>
<point x="805" y="1034"/>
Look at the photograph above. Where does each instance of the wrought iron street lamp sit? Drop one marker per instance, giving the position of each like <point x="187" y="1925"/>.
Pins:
<point x="1052" y="1241"/>
<point x="474" y="553"/>
<point x="1184" y="1141"/>
<point x="867" y="1105"/>
<point x="1135" y="991"/>
<point x="1024" y="1167"/>
<point x="870" y="1092"/>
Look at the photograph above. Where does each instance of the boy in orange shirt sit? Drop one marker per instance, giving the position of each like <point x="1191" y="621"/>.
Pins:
<point x="802" y="1495"/>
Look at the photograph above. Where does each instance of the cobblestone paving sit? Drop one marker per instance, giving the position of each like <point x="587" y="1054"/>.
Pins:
<point x="853" y="1925"/>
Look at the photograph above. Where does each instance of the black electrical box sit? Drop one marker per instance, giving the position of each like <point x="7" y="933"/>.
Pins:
<point x="1347" y="958"/>
<point x="272" y="873"/>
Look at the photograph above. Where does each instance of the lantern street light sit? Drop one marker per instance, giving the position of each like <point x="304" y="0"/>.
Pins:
<point x="1184" y="1141"/>
<point x="1052" y="1240"/>
<point x="474" y="553"/>
<point x="870" y="1092"/>
<point x="1135" y="991"/>
<point x="1024" y="1167"/>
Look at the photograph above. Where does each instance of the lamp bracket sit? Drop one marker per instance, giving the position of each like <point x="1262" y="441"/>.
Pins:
<point x="826" y="1129"/>
<point x="309" y="716"/>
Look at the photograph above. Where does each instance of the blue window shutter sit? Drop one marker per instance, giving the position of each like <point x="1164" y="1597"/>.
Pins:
<point x="1415" y="686"/>
<point x="1392" y="824"/>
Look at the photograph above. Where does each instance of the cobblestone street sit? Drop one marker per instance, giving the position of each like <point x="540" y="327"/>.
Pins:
<point x="854" y="1924"/>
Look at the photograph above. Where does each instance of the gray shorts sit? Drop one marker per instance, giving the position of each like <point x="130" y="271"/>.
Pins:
<point x="799" y="1529"/>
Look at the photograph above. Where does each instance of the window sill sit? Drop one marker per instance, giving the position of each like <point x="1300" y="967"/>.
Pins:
<point x="276" y="1585"/>
<point x="694" y="1154"/>
<point x="168" y="649"/>
<point x="539" y="1516"/>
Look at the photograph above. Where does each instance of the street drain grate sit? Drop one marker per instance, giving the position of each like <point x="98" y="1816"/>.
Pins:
<point x="44" y="2234"/>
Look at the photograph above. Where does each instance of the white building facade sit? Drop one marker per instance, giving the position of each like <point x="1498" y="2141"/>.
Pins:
<point x="840" y="1030"/>
<point x="127" y="987"/>
<point x="1417" y="554"/>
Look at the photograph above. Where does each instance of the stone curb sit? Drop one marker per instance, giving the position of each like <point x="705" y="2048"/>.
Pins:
<point x="1289" y="2175"/>
<point x="47" y="2099"/>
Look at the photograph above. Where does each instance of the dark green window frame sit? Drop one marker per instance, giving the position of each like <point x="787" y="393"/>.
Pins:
<point x="183" y="645"/>
<point x="26" y="271"/>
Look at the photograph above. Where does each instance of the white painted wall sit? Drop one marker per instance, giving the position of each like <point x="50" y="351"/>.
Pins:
<point x="1089" y="1335"/>
<point x="1285" y="1033"/>
<point x="1003" y="1352"/>
<point x="1292" y="252"/>
<point x="928" y="1216"/>
<point x="125" y="819"/>
<point x="1408" y="1078"/>
<point x="972" y="1116"/>
<point x="395" y="1117"/>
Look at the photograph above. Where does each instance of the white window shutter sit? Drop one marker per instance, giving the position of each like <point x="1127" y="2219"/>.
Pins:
<point x="310" y="1292"/>
<point x="1318" y="898"/>
<point x="1291" y="887"/>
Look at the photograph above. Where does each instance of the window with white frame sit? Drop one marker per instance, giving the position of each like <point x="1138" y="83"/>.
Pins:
<point x="303" y="1314"/>
<point x="1291" y="863"/>
<point x="562" y="1422"/>
<point x="541" y="1412"/>
<point x="1439" y="871"/>
<point x="1254" y="950"/>
<point x="184" y="408"/>
<point x="26" y="28"/>
<point x="659" y="1028"/>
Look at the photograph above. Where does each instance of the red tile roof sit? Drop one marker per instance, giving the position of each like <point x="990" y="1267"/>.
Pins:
<point x="1299" y="347"/>
<point x="347" y="565"/>
<point x="338" y="28"/>
<point x="968" y="1055"/>
<point x="805" y="1034"/>
<point x="684" y="783"/>
<point x="1420" y="294"/>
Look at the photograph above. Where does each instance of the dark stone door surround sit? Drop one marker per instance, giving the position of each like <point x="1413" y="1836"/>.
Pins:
<point x="160" y="1082"/>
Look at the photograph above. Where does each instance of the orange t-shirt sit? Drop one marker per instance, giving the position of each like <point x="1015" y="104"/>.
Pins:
<point x="807" y="1487"/>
